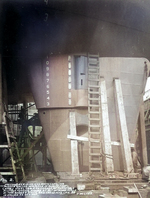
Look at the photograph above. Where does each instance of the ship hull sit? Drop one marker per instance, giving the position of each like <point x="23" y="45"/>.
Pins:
<point x="60" y="86"/>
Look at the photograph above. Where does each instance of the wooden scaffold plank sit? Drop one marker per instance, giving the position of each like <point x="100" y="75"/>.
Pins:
<point x="74" y="145"/>
<point x="125" y="144"/>
<point x="109" y="164"/>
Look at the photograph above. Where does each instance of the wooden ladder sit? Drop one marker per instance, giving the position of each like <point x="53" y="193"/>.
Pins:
<point x="94" y="114"/>
<point x="12" y="146"/>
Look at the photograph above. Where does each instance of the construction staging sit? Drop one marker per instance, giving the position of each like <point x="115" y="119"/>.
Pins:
<point x="73" y="121"/>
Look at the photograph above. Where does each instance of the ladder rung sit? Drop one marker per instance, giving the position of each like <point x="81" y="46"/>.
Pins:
<point x="93" y="67"/>
<point x="95" y="102"/>
<point x="93" y="77"/>
<point x="7" y="173"/>
<point x="94" y="86"/>
<point x="94" y="122"/>
<point x="95" y="147"/>
<point x="93" y="73"/>
<point x="94" y="92"/>
<point x="8" y="168"/>
<point x="94" y="126"/>
<point x="95" y="154"/>
<point x="95" y="161"/>
<point x="4" y="146"/>
<point x="94" y="105"/>
<point x="94" y="119"/>
<point x="96" y="169"/>
<point x="94" y="112"/>
<point x="94" y="61"/>
<point x="95" y="99"/>
<point x="90" y="89"/>
<point x="94" y="140"/>
<point x="94" y="133"/>
<point x="94" y="80"/>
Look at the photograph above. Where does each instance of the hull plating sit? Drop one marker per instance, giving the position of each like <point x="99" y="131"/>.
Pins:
<point x="57" y="92"/>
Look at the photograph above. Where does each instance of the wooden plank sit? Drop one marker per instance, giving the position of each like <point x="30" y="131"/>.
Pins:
<point x="125" y="144"/>
<point x="85" y="139"/>
<point x="73" y="137"/>
<point x="119" y="144"/>
<point x="106" y="128"/>
<point x="74" y="145"/>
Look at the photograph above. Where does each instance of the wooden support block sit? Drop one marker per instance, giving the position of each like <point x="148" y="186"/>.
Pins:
<point x="125" y="144"/>
<point x="106" y="128"/>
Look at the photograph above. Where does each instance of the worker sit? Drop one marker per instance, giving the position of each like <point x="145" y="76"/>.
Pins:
<point x="136" y="163"/>
<point x="24" y="122"/>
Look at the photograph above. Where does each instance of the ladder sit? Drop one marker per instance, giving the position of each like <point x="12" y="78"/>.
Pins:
<point x="16" y="163"/>
<point x="94" y="114"/>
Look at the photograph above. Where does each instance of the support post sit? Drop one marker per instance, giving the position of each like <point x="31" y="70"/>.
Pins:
<point x="125" y="144"/>
<point x="109" y="164"/>
<point x="143" y="135"/>
<point x="74" y="145"/>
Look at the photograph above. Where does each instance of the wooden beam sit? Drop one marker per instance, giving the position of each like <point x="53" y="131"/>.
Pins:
<point x="119" y="144"/>
<point x="124" y="137"/>
<point x="32" y="145"/>
<point x="106" y="128"/>
<point x="73" y="137"/>
<point x="85" y="139"/>
<point x="143" y="135"/>
<point x="74" y="145"/>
